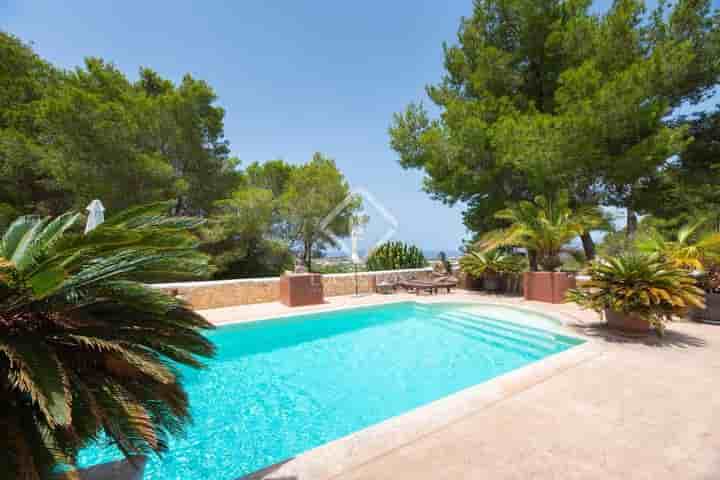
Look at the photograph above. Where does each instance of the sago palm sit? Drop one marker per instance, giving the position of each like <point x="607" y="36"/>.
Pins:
<point x="493" y="262"/>
<point x="543" y="227"/>
<point x="646" y="285"/>
<point x="692" y="248"/>
<point x="86" y="351"/>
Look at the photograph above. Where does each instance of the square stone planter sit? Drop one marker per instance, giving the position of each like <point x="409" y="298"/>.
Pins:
<point x="549" y="287"/>
<point x="297" y="290"/>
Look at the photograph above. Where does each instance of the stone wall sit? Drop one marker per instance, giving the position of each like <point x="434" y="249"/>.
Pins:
<point x="228" y="293"/>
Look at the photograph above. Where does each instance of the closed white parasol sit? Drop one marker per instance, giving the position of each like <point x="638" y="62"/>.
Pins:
<point x="96" y="215"/>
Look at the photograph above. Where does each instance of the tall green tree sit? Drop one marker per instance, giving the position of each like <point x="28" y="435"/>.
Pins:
<point x="311" y="204"/>
<point x="542" y="95"/>
<point x="689" y="187"/>
<point x="67" y="137"/>
<point x="273" y="176"/>
<point x="27" y="183"/>
<point x="239" y="236"/>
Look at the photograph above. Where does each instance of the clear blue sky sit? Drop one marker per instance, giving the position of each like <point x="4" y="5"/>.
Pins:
<point x="294" y="77"/>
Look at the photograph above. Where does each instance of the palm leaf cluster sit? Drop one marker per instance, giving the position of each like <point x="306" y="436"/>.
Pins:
<point x="646" y="285"/>
<point x="543" y="227"/>
<point x="495" y="261"/>
<point x="86" y="350"/>
<point x="692" y="247"/>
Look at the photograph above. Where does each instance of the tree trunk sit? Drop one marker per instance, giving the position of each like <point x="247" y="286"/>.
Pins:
<point x="532" y="259"/>
<point x="588" y="245"/>
<point x="632" y="223"/>
<point x="307" y="256"/>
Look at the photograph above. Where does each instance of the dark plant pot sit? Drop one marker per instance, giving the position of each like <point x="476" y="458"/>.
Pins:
<point x="627" y="322"/>
<point x="549" y="287"/>
<point x="468" y="282"/>
<point x="711" y="312"/>
<point x="491" y="282"/>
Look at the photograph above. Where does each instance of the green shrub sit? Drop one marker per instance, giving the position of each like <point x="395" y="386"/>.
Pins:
<point x="395" y="256"/>
<point x="493" y="262"/>
<point x="646" y="285"/>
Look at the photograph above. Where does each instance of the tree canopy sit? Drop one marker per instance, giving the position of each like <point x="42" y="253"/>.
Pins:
<point x="279" y="209"/>
<point x="318" y="205"/>
<point x="67" y="137"/>
<point x="542" y="95"/>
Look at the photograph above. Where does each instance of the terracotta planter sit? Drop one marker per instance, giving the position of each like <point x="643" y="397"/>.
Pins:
<point x="299" y="289"/>
<point x="627" y="322"/>
<point x="711" y="312"/>
<point x="547" y="287"/>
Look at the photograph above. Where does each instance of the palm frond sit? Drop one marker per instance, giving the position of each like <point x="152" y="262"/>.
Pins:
<point x="85" y="349"/>
<point x="36" y="370"/>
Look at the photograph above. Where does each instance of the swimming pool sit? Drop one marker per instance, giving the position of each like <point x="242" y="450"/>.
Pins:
<point x="281" y="387"/>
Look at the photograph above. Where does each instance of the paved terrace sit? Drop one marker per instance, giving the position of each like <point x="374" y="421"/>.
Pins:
<point x="612" y="408"/>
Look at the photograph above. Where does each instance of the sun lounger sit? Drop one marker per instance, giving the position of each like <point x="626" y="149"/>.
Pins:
<point x="417" y="286"/>
<point x="445" y="282"/>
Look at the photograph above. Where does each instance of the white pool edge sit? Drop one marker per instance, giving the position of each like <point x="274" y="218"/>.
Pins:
<point x="216" y="315"/>
<point x="363" y="446"/>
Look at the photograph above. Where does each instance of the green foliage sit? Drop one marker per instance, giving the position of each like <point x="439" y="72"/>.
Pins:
<point x="540" y="95"/>
<point x="492" y="262"/>
<point x="86" y="348"/>
<point x="690" y="186"/>
<point x="573" y="260"/>
<point x="543" y="227"/>
<point x="345" y="267"/>
<point x="617" y="243"/>
<point x="395" y="256"/>
<point x="67" y="137"/>
<point x="237" y="236"/>
<point x="317" y="206"/>
<point x="693" y="247"/>
<point x="645" y="285"/>
<point x="277" y="208"/>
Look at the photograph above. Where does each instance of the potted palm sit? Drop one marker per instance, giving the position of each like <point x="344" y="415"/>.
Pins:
<point x="491" y="266"/>
<point x="697" y="250"/>
<point x="544" y="227"/>
<point x="86" y="349"/>
<point x="637" y="292"/>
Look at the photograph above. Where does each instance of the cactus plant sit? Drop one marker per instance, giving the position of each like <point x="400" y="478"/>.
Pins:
<point x="395" y="256"/>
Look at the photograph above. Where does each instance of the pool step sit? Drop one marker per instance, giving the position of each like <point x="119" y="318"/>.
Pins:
<point x="514" y="332"/>
<point x="492" y="336"/>
<point x="498" y="317"/>
<point x="542" y="337"/>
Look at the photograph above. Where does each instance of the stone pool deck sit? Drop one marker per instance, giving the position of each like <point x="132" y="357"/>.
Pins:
<point x="611" y="408"/>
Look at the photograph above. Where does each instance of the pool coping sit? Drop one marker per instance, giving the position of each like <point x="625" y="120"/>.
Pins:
<point x="563" y="318"/>
<point x="352" y="451"/>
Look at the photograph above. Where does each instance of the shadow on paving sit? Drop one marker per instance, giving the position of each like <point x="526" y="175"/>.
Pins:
<point x="267" y="473"/>
<point x="130" y="469"/>
<point x="672" y="338"/>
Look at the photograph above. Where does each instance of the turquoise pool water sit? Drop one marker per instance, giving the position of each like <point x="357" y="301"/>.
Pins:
<point x="280" y="387"/>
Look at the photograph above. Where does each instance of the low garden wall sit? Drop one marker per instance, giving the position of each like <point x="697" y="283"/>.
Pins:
<point x="246" y="291"/>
